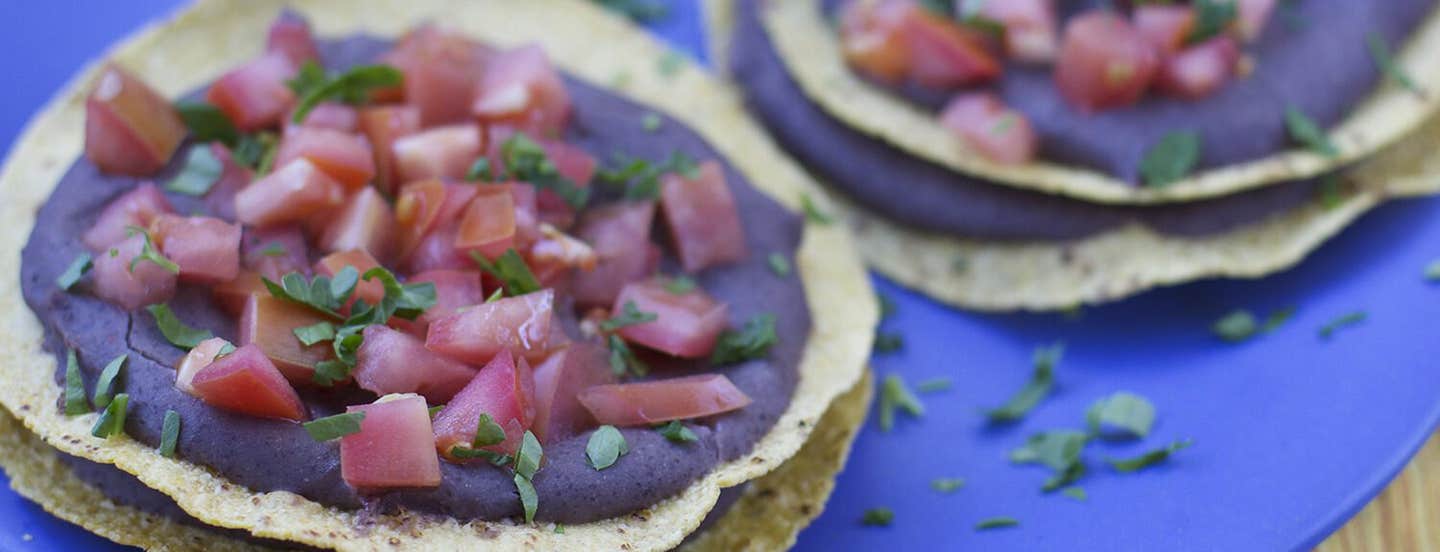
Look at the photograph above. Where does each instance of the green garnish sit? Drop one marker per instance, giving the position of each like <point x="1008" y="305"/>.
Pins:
<point x="77" y="270"/>
<point x="670" y="63"/>
<point x="623" y="360"/>
<point x="1307" y="132"/>
<point x="947" y="485"/>
<point x="888" y="342"/>
<point x="1041" y="380"/>
<point x="256" y="151"/>
<point x="200" y="172"/>
<point x="606" y="445"/>
<point x="933" y="385"/>
<point x="112" y="419"/>
<point x="352" y="86"/>
<point x="887" y="305"/>
<point x="878" y="517"/>
<point x="496" y="295"/>
<point x="1341" y="321"/>
<point x="316" y="333"/>
<point x="526" y="160"/>
<point x="1171" y="159"/>
<point x="1060" y="451"/>
<point x="169" y="434"/>
<point x="1432" y="271"/>
<point x="813" y="213"/>
<point x="528" y="499"/>
<point x="207" y="123"/>
<point x="1211" y="18"/>
<point x="177" y="332"/>
<point x="75" y="403"/>
<point x="1121" y="415"/>
<point x="334" y="427"/>
<point x="275" y="249"/>
<point x="996" y="523"/>
<point x="779" y="265"/>
<point x="752" y="341"/>
<point x="437" y="408"/>
<point x="676" y="432"/>
<point x="1241" y="325"/>
<point x="1148" y="459"/>
<point x="1329" y="191"/>
<point x="630" y="315"/>
<point x="681" y="285"/>
<point x="527" y="459"/>
<point x="1076" y="493"/>
<point x="511" y="270"/>
<point x="148" y="252"/>
<point x="481" y="171"/>
<point x="651" y="122"/>
<point x="640" y="179"/>
<point x="105" y="386"/>
<point x="894" y="394"/>
<point x="641" y="11"/>
<point x="1380" y="52"/>
<point x="488" y="433"/>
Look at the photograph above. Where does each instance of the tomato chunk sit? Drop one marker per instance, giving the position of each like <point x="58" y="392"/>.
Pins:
<point x="1031" y="31"/>
<point x="558" y="383"/>
<point x="220" y="200"/>
<point x="704" y="224"/>
<point x="343" y="156"/>
<point x="686" y="325"/>
<point x="269" y="324"/>
<point x="136" y="208"/>
<point x="293" y="193"/>
<point x="442" y="152"/>
<point x="987" y="125"/>
<point x="873" y="40"/>
<point x="248" y="383"/>
<point x="504" y="389"/>
<point x="233" y="295"/>
<point x="395" y="448"/>
<point x="391" y="361"/>
<point x="454" y="289"/>
<point x="438" y="252"/>
<point x="372" y="291"/>
<point x="255" y="95"/>
<point x="520" y="324"/>
<point x="290" y="35"/>
<point x="620" y="236"/>
<point x="130" y="128"/>
<point x="653" y="402"/>
<point x="557" y="254"/>
<point x="199" y="357"/>
<point x="206" y="248"/>
<point x="488" y="224"/>
<point x="441" y="71"/>
<point x="115" y="281"/>
<point x="522" y="89"/>
<point x="276" y="251"/>
<point x="946" y="55"/>
<point x="326" y="115"/>
<point x="417" y="211"/>
<point x="1104" y="62"/>
<point x="1200" y="70"/>
<point x="1166" y="27"/>
<point x="1252" y="16"/>
<point x="366" y="223"/>
<point x="382" y="125"/>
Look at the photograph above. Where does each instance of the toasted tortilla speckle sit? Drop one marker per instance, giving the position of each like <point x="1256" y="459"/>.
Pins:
<point x="810" y="50"/>
<point x="206" y="39"/>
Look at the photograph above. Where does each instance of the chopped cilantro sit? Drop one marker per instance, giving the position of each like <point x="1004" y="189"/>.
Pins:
<point x="651" y="122"/>
<point x="878" y="517"/>
<point x="527" y="459"/>
<point x="481" y="171"/>
<point x="334" y="427"/>
<point x="1055" y="449"/>
<point x="1127" y="465"/>
<point x="526" y="160"/>
<point x="1380" y="52"/>
<point x="528" y="499"/>
<point x="176" y="331"/>
<point x="1041" y="380"/>
<point x="888" y="342"/>
<point x="813" y="213"/>
<point x="1329" y="191"/>
<point x="1076" y="493"/>
<point x="75" y="402"/>
<point x="670" y="63"/>
<point x="752" y="341"/>
<point x="316" y="333"/>
<point x="207" y="123"/>
<point x="887" y="305"/>
<point x="1170" y="159"/>
<point x="1121" y="415"/>
<point x="112" y="419"/>
<point x="511" y="270"/>
<point x="779" y="264"/>
<point x="606" y="445"/>
<point x="641" y="11"/>
<point x="996" y="523"/>
<point x="640" y="179"/>
<point x="77" y="270"/>
<point x="352" y="86"/>
<point x="488" y="433"/>
<point x="623" y="360"/>
<point x="169" y="434"/>
<point x="935" y="385"/>
<point x="676" y="432"/>
<point x="895" y="395"/>
<point x="681" y="285"/>
<point x="1344" y="320"/>
<point x="1432" y="271"/>
<point x="148" y="252"/>
<point x="1307" y="132"/>
<point x="256" y="151"/>
<point x="274" y="249"/>
<point x="630" y="315"/>
<point x="200" y="172"/>
<point x="1211" y="18"/>
<point x="105" y="386"/>
<point x="947" y="485"/>
<point x="1237" y="326"/>
<point x="437" y="408"/>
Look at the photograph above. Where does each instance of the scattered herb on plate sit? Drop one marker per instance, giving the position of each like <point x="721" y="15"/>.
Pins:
<point x="1127" y="465"/>
<point x="996" y="523"/>
<point x="1122" y="415"/>
<point x="752" y="341"/>
<point x="1035" y="390"/>
<point x="895" y="395"/>
<point x="878" y="517"/>
<point x="1380" y="52"/>
<point x="1345" y="320"/>
<point x="947" y="485"/>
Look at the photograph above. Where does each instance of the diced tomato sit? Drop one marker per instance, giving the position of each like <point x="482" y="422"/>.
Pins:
<point x="704" y="224"/>
<point x="872" y="38"/>
<point x="395" y="448"/>
<point x="488" y="224"/>
<point x="290" y="35"/>
<point x="1200" y="70"/>
<point x="326" y="115"/>
<point x="269" y="324"/>
<point x="1031" y="31"/>
<point x="520" y="324"/>
<point x="248" y="383"/>
<point x="207" y="249"/>
<point x="417" y="212"/>
<point x="454" y="290"/>
<point x="686" y="324"/>
<point x="366" y="223"/>
<point x="148" y="283"/>
<point x="233" y="295"/>
<point x="276" y="251"/>
<point x="199" y="357"/>
<point x="344" y="156"/>
<point x="136" y="208"/>
<point x="1166" y="27"/>
<point x="504" y="389"/>
<point x="438" y="252"/>
<point x="653" y="402"/>
<point x="946" y="55"/>
<point x="1104" y="62"/>
<point x="987" y="125"/>
<point x="220" y="200"/>
<point x="443" y="152"/>
<point x="558" y="383"/>
<point x="620" y="236"/>
<point x="441" y="71"/>
<point x="561" y="251"/>
<point x="255" y="95"/>
<point x="382" y="125"/>
<point x="130" y="128"/>
<point x="372" y="291"/>
<point x="1252" y="16"/>
<point x="522" y="89"/>
<point x="527" y="213"/>
<point x="293" y="193"/>
<point x="390" y="361"/>
<point x="573" y="163"/>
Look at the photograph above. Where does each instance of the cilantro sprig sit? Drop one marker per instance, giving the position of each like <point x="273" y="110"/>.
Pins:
<point x="313" y="86"/>
<point x="526" y="160"/>
<point x="639" y="179"/>
<point x="510" y="268"/>
<point x="752" y="341"/>
<point x="1041" y="380"/>
<point x="630" y="315"/>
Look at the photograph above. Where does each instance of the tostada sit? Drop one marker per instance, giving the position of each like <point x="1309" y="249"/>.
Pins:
<point x="424" y="282"/>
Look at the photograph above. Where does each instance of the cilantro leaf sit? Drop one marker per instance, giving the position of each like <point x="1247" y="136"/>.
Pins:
<point x="177" y="332"/>
<point x="75" y="401"/>
<point x="1041" y="380"/>
<point x="676" y="432"/>
<point x="878" y="517"/>
<point x="315" y="333"/>
<point x="1121" y="415"/>
<point x="1076" y="493"/>
<point x="511" y="270"/>
<point x="888" y="342"/>
<point x="200" y="172"/>
<point x="1380" y="52"/>
<point x="169" y="434"/>
<point x="106" y="384"/>
<point x="606" y="445"/>
<point x="947" y="485"/>
<point x="1127" y="465"/>
<point x="527" y="459"/>
<point x="1237" y="326"/>
<point x="112" y="419"/>
<point x="73" y="273"/>
<point x="334" y="427"/>
<point x="813" y="213"/>
<point x="641" y="11"/>
<point x="779" y="264"/>
<point x="207" y="123"/>
<point x="528" y="499"/>
<point x="894" y="394"/>
<point x="996" y="523"/>
<point x="148" y="252"/>
<point x="640" y="179"/>
<point x="935" y="385"/>
<point x="1307" y="132"/>
<point x="526" y="160"/>
<point x="1170" y="159"/>
<point x="681" y="285"/>
<point x="1211" y="18"/>
<point x="1344" y="320"/>
<point x="751" y="342"/>
<point x="623" y="360"/>
<point x="352" y="86"/>
<point x="1054" y="449"/>
<point x="1432" y="271"/>
<point x="488" y="433"/>
<point x="630" y="315"/>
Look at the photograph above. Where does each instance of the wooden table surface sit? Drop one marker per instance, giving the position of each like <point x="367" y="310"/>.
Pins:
<point x="1406" y="517"/>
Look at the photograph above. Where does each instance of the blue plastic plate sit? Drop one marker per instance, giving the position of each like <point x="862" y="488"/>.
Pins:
<point x="1293" y="433"/>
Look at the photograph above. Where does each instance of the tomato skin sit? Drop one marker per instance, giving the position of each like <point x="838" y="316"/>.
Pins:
<point x="130" y="128"/>
<point x="275" y="251"/>
<point x="520" y="324"/>
<point x="504" y="389"/>
<point x="441" y="71"/>
<point x="704" y="223"/>
<point x="1031" y="28"/>
<point x="417" y="212"/>
<point x="872" y="39"/>
<point x="442" y="152"/>
<point x="207" y="249"/>
<point x="115" y="281"/>
<point x="1252" y="17"/>
<point x="394" y="448"/>
<point x="686" y="325"/>
<point x="1104" y="62"/>
<point x="620" y="236"/>
<point x="522" y="89"/>
<point x="328" y="116"/>
<point x="1199" y="70"/>
<point x="558" y="383"/>
<point x="269" y="324"/>
<point x="136" y="208"/>
<point x="246" y="382"/>
<point x="199" y="357"/>
<point x="255" y="95"/>
<point x="1166" y="27"/>
<point x="382" y="125"/>
<point x="391" y="361"/>
<point x="291" y="36"/>
<point x="344" y="156"/>
<point x="659" y="401"/>
<point x="946" y="55"/>
<point x="366" y="223"/>
<point x="292" y="194"/>
<point x="488" y="223"/>
<point x="987" y="125"/>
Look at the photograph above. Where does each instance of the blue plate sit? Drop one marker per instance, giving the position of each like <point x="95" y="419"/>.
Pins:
<point x="1293" y="433"/>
